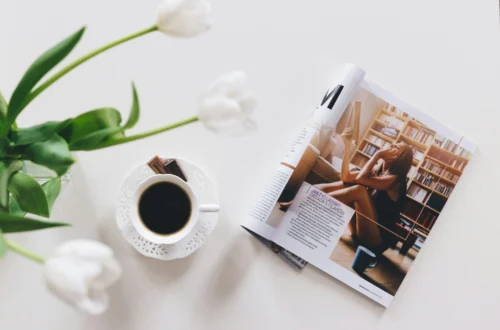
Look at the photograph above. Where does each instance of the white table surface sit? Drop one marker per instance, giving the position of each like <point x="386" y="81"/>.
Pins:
<point x="441" y="56"/>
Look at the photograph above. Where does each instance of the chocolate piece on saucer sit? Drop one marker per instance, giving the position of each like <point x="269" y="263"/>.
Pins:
<point x="156" y="164"/>
<point x="172" y="167"/>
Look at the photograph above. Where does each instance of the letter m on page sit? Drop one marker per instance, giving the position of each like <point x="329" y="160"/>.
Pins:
<point x="331" y="96"/>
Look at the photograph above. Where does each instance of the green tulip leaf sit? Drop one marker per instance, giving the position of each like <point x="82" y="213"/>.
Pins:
<point x="4" y="146"/>
<point x="51" y="188"/>
<point x="14" y="208"/>
<point x="14" y="224"/>
<point x="90" y="122"/>
<point x="53" y="153"/>
<point x="7" y="169"/>
<point x="3" y="244"/>
<point x="3" y="112"/>
<point x="37" y="71"/>
<point x="38" y="133"/>
<point x="133" y="118"/>
<point x="29" y="194"/>
<point x="114" y="131"/>
<point x="94" y="139"/>
<point x="3" y="106"/>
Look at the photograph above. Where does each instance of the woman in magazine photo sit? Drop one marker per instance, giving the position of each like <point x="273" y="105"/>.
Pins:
<point x="377" y="193"/>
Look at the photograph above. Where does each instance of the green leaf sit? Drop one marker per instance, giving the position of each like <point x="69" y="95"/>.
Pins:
<point x="7" y="169"/>
<point x="37" y="70"/>
<point x="90" y="122"/>
<point x="3" y="106"/>
<point x="3" y="244"/>
<point x="92" y="140"/>
<point x="3" y="112"/>
<point x="4" y="146"/>
<point x="38" y="133"/>
<point x="89" y="130"/>
<point x="52" y="153"/>
<point x="14" y="224"/>
<point x="29" y="194"/>
<point x="14" y="208"/>
<point x="51" y="188"/>
<point x="133" y="118"/>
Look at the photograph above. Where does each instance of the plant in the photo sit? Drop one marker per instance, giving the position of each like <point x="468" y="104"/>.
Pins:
<point x="225" y="104"/>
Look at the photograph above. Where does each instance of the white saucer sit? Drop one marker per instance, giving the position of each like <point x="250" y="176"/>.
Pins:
<point x="204" y="190"/>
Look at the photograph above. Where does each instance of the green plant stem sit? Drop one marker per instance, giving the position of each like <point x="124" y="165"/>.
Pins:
<point x="82" y="60"/>
<point x="139" y="136"/>
<point x="24" y="252"/>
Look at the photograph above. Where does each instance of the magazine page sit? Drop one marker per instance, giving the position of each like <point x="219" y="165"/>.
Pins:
<point x="366" y="207"/>
<point x="265" y="215"/>
<point x="314" y="136"/>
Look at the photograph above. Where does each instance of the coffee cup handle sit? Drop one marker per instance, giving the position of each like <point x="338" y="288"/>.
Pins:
<point x="373" y="264"/>
<point x="209" y="208"/>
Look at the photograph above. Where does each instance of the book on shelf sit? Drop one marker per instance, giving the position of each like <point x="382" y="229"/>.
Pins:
<point x="412" y="171"/>
<point x="426" y="179"/>
<point x="391" y="121"/>
<point x="370" y="149"/>
<point x="418" y="193"/>
<point x="449" y="145"/>
<point x="304" y="225"/>
<point x="443" y="188"/>
<point x="428" y="220"/>
<point x="458" y="164"/>
<point x="417" y="153"/>
<point x="419" y="135"/>
<point x="389" y="131"/>
<point x="419" y="242"/>
<point x="378" y="141"/>
<point x="439" y="170"/>
<point x="407" y="225"/>
<point x="461" y="151"/>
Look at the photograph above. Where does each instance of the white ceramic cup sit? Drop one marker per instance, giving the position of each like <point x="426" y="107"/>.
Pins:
<point x="196" y="208"/>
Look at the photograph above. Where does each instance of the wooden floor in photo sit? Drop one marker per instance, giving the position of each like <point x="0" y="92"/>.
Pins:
<point x="390" y="271"/>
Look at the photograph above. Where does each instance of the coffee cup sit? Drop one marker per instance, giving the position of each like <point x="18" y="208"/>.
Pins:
<point x="363" y="259"/>
<point x="165" y="209"/>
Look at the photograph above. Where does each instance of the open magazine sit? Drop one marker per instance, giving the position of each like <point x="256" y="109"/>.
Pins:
<point x="361" y="187"/>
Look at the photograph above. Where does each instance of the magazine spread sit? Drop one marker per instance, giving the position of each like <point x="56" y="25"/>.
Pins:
<point x="361" y="187"/>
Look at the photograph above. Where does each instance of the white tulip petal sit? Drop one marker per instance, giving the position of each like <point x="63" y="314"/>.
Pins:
<point x="80" y="271"/>
<point x="96" y="303"/>
<point x="69" y="279"/>
<point x="247" y="102"/>
<point x="184" y="18"/>
<point x="226" y="105"/>
<point x="111" y="272"/>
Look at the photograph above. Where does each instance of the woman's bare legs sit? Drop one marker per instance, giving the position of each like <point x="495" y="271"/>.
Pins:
<point x="365" y="227"/>
<point x="331" y="187"/>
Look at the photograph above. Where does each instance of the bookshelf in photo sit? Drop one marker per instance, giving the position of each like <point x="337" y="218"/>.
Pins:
<point x="438" y="163"/>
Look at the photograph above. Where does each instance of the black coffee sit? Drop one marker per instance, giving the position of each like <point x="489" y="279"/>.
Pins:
<point x="164" y="208"/>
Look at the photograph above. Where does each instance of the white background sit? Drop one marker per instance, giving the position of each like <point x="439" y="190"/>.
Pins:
<point x="440" y="56"/>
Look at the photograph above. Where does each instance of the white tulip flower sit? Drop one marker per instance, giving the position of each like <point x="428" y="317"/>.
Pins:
<point x="184" y="18"/>
<point x="227" y="105"/>
<point x="79" y="273"/>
